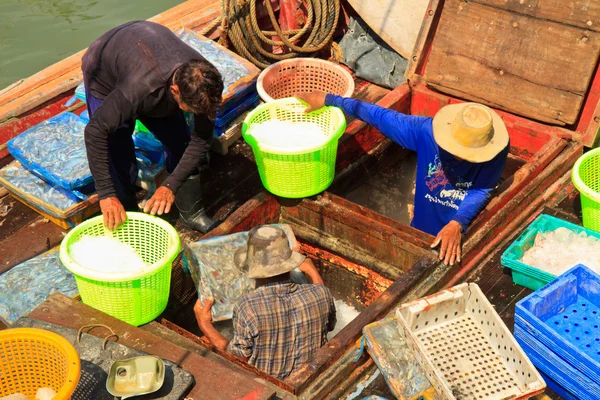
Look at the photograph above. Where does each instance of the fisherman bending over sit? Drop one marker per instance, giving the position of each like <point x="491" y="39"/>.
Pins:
<point x="280" y="325"/>
<point x="461" y="153"/>
<point x="142" y="70"/>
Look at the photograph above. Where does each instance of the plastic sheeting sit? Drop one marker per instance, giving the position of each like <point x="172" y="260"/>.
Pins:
<point x="370" y="57"/>
<point x="30" y="184"/>
<point x="239" y="75"/>
<point x="55" y="151"/>
<point x="212" y="263"/>
<point x="29" y="284"/>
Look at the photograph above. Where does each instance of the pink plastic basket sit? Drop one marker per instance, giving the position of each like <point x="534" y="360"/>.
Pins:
<point x="289" y="78"/>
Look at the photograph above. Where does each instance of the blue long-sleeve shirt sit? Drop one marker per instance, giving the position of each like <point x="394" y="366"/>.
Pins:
<point x="446" y="188"/>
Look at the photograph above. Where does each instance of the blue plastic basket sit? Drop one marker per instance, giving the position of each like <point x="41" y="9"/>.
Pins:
<point x="556" y="368"/>
<point x="556" y="388"/>
<point x="565" y="316"/>
<point x="526" y="275"/>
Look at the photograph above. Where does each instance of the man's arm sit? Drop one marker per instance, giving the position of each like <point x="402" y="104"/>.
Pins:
<point x="311" y="271"/>
<point x="402" y="129"/>
<point x="112" y="113"/>
<point x="242" y="348"/>
<point x="471" y="206"/>
<point x="195" y="154"/>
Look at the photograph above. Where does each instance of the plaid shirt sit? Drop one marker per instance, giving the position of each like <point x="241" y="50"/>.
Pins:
<point x="279" y="326"/>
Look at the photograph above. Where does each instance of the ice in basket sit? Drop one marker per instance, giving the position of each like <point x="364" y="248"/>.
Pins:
<point x="136" y="297"/>
<point x="297" y="170"/>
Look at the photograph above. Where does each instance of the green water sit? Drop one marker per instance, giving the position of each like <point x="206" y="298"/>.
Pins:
<point x="37" y="33"/>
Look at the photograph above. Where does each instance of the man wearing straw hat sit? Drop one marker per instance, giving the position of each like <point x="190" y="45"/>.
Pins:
<point x="281" y="324"/>
<point x="461" y="153"/>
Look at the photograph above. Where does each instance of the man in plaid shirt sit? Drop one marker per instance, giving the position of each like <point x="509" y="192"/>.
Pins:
<point x="280" y="325"/>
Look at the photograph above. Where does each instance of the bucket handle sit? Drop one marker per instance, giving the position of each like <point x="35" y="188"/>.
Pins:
<point x="92" y="326"/>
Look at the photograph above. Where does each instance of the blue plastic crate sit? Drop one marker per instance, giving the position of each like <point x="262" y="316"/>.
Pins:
<point x="55" y="151"/>
<point x="526" y="275"/>
<point x="556" y="388"/>
<point x="556" y="368"/>
<point x="27" y="285"/>
<point x="565" y="316"/>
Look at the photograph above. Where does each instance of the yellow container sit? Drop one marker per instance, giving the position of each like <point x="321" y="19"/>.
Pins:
<point x="35" y="358"/>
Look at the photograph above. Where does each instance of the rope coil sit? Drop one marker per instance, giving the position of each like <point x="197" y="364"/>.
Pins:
<point x="239" y="24"/>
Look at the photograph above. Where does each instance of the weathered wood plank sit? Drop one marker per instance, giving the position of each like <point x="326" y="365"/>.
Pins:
<point x="35" y="238"/>
<point x="531" y="67"/>
<point x="391" y="242"/>
<point x="358" y="285"/>
<point x="346" y="338"/>
<point x="212" y="379"/>
<point x="191" y="343"/>
<point x="581" y="13"/>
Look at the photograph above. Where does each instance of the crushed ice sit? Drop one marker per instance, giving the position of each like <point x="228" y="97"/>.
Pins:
<point x="106" y="254"/>
<point x="557" y="251"/>
<point x="288" y="135"/>
<point x="344" y="315"/>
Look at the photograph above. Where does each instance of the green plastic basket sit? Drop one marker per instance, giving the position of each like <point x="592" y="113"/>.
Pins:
<point x="131" y="297"/>
<point x="586" y="178"/>
<point x="526" y="275"/>
<point x="296" y="174"/>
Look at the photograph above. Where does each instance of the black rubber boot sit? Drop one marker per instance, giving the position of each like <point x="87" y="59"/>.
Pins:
<point x="189" y="204"/>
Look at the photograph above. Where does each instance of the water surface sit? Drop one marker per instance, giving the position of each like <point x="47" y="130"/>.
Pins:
<point x="37" y="33"/>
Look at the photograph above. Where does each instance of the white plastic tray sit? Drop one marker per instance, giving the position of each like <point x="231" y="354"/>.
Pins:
<point x="464" y="347"/>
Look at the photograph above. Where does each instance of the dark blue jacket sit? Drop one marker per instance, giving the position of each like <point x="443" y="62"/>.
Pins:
<point x="446" y="188"/>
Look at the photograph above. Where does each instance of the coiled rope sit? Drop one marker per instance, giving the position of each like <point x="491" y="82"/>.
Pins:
<point x="240" y="25"/>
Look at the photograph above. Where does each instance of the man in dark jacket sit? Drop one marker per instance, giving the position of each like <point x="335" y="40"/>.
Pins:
<point x="141" y="70"/>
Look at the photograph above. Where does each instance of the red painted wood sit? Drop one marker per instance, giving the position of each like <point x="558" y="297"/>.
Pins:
<point x="526" y="137"/>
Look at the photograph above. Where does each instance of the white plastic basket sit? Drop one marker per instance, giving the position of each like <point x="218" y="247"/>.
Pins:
<point x="464" y="347"/>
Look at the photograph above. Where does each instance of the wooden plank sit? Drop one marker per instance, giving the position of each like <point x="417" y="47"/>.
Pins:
<point x="346" y="338"/>
<point x="531" y="67"/>
<point x="580" y="13"/>
<point x="391" y="242"/>
<point x="190" y="344"/>
<point x="397" y="22"/>
<point x="358" y="285"/>
<point x="213" y="379"/>
<point x="35" y="238"/>
<point x="420" y="54"/>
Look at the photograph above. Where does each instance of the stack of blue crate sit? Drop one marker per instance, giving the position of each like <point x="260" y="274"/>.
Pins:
<point x="558" y="326"/>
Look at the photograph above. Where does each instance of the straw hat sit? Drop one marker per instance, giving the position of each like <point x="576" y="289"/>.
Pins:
<point x="470" y="131"/>
<point x="269" y="253"/>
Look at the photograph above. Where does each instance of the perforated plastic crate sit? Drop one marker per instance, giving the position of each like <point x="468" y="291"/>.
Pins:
<point x="526" y="275"/>
<point x="465" y="349"/>
<point x="565" y="316"/>
<point x="556" y="368"/>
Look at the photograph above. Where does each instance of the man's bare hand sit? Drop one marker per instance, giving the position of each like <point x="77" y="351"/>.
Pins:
<point x="315" y="100"/>
<point x="449" y="237"/>
<point x="160" y="202"/>
<point x="113" y="213"/>
<point x="202" y="312"/>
